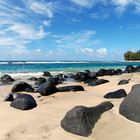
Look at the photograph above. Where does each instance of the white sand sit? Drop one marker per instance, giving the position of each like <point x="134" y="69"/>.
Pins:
<point x="43" y="122"/>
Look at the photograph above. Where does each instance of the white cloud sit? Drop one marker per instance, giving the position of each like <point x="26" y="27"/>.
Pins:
<point x="102" y="52"/>
<point x="119" y="5"/>
<point x="42" y="7"/>
<point x="85" y="51"/>
<point x="84" y="3"/>
<point x="76" y="40"/>
<point x="26" y="31"/>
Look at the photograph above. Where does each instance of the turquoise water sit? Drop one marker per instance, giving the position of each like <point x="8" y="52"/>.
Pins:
<point x="33" y="67"/>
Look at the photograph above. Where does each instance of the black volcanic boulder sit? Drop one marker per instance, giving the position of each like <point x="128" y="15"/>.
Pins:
<point x="71" y="88"/>
<point x="81" y="76"/>
<point x="123" y="82"/>
<point x="81" y="120"/>
<point x="54" y="80"/>
<point x="137" y="69"/>
<point x="22" y="86"/>
<point x="46" y="73"/>
<point x="116" y="94"/>
<point x="24" y="102"/>
<point x="92" y="75"/>
<point x="40" y="80"/>
<point x="33" y="79"/>
<point x="97" y="82"/>
<point x="6" y="79"/>
<point x="46" y="89"/>
<point x="130" y="106"/>
<point x="103" y="72"/>
<point x="129" y="69"/>
<point x="118" y="71"/>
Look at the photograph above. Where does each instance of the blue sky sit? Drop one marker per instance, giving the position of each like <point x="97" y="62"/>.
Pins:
<point x="68" y="29"/>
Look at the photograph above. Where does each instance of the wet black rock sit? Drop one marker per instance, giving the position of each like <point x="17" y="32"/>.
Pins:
<point x="130" y="106"/>
<point x="7" y="79"/>
<point x="71" y="88"/>
<point x="116" y="94"/>
<point x="22" y="86"/>
<point x="24" y="102"/>
<point x="81" y="120"/>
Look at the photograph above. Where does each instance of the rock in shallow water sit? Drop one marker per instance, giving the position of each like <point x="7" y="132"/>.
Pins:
<point x="130" y="106"/>
<point x="116" y="94"/>
<point x="81" y="120"/>
<point x="24" y="102"/>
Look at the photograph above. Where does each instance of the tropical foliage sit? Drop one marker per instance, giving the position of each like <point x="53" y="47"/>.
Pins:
<point x="132" y="55"/>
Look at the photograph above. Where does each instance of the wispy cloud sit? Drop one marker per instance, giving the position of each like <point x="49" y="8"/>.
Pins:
<point x="45" y="8"/>
<point x="77" y="40"/>
<point x="119" y="5"/>
<point x="84" y="3"/>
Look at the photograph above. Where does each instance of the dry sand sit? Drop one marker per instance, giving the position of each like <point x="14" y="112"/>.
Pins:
<point x="43" y="122"/>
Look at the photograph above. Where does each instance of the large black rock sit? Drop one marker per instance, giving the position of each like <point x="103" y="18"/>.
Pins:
<point x="22" y="86"/>
<point x="47" y="89"/>
<point x="118" y="71"/>
<point x="81" y="120"/>
<point x="81" y="76"/>
<point x="6" y="79"/>
<point x="137" y="69"/>
<point x="24" y="102"/>
<point x="116" y="94"/>
<point x="103" y="72"/>
<point x="123" y="82"/>
<point x="129" y="69"/>
<point x="46" y="73"/>
<point x="40" y="80"/>
<point x="71" y="88"/>
<point x="97" y="82"/>
<point x="130" y="106"/>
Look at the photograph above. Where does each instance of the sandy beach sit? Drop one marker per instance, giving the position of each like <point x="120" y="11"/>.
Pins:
<point x="43" y="122"/>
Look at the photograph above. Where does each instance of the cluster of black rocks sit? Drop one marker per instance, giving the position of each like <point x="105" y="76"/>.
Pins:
<point x="80" y="120"/>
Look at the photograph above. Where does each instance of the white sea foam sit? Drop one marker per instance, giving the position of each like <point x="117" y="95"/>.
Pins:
<point x="44" y="62"/>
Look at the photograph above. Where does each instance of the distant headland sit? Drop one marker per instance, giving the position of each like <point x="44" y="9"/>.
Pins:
<point x="132" y="56"/>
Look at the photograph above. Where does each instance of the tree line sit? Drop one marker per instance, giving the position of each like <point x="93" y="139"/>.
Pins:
<point x="129" y="55"/>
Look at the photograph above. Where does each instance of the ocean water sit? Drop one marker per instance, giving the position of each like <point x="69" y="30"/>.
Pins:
<point x="28" y="67"/>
